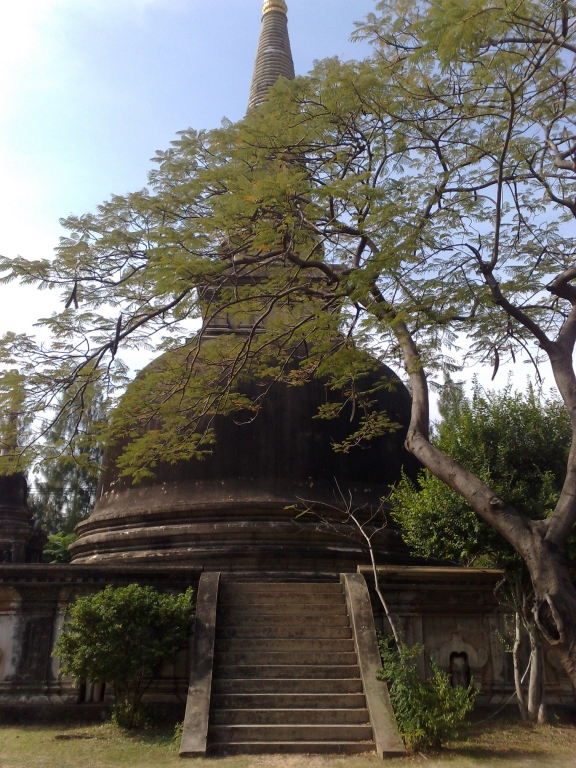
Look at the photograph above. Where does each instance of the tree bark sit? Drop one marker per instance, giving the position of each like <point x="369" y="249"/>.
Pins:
<point x="555" y="599"/>
<point x="517" y="669"/>
<point x="543" y="709"/>
<point x="535" y="686"/>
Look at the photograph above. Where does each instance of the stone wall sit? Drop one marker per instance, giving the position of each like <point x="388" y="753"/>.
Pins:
<point x="455" y="615"/>
<point x="451" y="611"/>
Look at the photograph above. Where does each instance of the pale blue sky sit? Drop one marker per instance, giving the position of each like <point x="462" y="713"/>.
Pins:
<point x="90" y="89"/>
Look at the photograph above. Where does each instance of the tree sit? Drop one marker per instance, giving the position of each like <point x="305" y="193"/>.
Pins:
<point x="363" y="525"/>
<point x="519" y="445"/>
<point x="64" y="492"/>
<point x="123" y="636"/>
<point x="392" y="206"/>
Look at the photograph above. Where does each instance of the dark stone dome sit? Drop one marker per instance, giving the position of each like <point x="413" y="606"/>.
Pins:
<point x="229" y="511"/>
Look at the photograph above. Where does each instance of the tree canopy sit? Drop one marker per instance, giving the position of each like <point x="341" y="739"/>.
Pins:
<point x="123" y="636"/>
<point x="424" y="188"/>
<point x="396" y="205"/>
<point x="517" y="443"/>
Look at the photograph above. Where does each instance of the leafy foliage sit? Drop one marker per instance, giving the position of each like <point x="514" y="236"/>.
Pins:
<point x="122" y="636"/>
<point x="426" y="188"/>
<point x="518" y="444"/>
<point x="64" y="489"/>
<point x="56" y="550"/>
<point x="427" y="715"/>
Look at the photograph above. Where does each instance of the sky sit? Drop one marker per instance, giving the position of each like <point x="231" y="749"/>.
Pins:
<point x="90" y="89"/>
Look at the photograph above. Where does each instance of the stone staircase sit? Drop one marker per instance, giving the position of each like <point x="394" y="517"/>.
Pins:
<point x="286" y="676"/>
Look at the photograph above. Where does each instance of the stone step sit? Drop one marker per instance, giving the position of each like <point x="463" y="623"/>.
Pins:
<point x="286" y="676"/>
<point x="271" y="587"/>
<point x="241" y="619"/>
<point x="232" y="611"/>
<point x="288" y="700"/>
<point x="292" y="748"/>
<point x="295" y="733"/>
<point x="286" y="671"/>
<point x="264" y="598"/>
<point x="283" y="686"/>
<point x="314" y="716"/>
<point x="265" y="658"/>
<point x="280" y="632"/>
<point x="272" y="644"/>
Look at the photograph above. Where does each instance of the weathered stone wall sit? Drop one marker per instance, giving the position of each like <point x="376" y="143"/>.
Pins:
<point x="452" y="612"/>
<point x="455" y="615"/>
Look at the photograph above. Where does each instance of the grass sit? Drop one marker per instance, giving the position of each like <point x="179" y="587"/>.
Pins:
<point x="505" y="744"/>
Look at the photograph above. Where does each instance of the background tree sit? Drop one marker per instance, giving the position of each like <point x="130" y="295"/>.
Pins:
<point x="123" y="636"/>
<point x="63" y="491"/>
<point x="395" y="205"/>
<point x="519" y="445"/>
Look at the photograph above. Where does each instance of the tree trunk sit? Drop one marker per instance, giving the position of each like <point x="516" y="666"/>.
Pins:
<point x="535" y="686"/>
<point x="540" y="543"/>
<point x="543" y="709"/>
<point x="555" y="600"/>
<point x="517" y="669"/>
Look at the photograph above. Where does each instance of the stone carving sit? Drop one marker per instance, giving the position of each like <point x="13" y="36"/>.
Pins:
<point x="459" y="670"/>
<point x="456" y="655"/>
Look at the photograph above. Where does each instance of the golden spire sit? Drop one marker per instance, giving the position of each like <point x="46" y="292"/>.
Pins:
<point x="274" y="5"/>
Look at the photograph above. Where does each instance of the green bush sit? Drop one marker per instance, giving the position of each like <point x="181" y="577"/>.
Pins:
<point x="56" y="549"/>
<point x="429" y="714"/>
<point x="123" y="636"/>
<point x="128" y="715"/>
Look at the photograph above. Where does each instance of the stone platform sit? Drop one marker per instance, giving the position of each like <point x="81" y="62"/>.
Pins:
<point x="452" y="612"/>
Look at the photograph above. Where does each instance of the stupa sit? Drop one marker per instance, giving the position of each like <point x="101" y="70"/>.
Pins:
<point x="234" y="511"/>
<point x="276" y="593"/>
<point x="21" y="539"/>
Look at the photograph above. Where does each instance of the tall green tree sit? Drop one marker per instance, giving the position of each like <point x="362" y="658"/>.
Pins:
<point x="518" y="444"/>
<point x="63" y="492"/>
<point x="394" y="206"/>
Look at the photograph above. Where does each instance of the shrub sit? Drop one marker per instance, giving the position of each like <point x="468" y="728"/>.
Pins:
<point x="123" y="636"/>
<point x="429" y="714"/>
<point x="56" y="549"/>
<point x="177" y="738"/>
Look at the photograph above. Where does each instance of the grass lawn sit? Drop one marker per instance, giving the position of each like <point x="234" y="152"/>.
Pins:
<point x="500" y="745"/>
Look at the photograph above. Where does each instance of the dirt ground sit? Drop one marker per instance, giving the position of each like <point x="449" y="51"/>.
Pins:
<point x="501" y="745"/>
